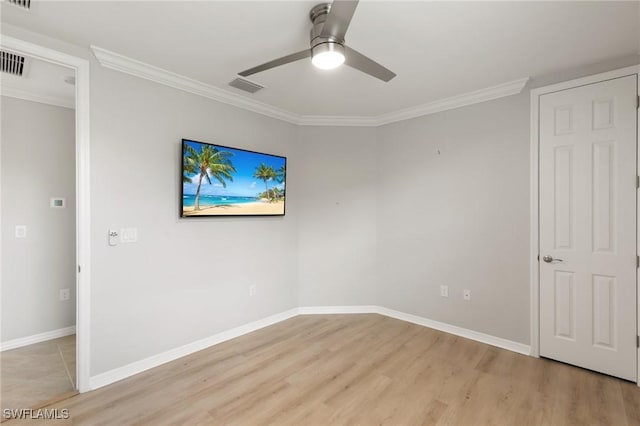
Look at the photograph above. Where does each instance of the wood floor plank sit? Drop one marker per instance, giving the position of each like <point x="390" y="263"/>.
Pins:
<point x="631" y="400"/>
<point x="357" y="370"/>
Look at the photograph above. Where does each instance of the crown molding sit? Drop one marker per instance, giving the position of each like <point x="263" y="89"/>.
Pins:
<point x="136" y="68"/>
<point x="487" y="94"/>
<point x="336" y="120"/>
<point x="33" y="96"/>
<point x="458" y="101"/>
<point x="140" y="69"/>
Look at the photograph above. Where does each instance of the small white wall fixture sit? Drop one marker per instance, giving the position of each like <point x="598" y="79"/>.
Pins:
<point x="83" y="246"/>
<point x="534" y="277"/>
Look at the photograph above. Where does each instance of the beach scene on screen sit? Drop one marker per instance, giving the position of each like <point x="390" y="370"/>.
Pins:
<point x="218" y="180"/>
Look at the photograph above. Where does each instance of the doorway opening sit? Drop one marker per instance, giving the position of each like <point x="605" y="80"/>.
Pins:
<point x="39" y="242"/>
<point x="78" y="70"/>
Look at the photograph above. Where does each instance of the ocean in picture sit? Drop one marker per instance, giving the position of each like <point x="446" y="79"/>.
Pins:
<point x="219" y="180"/>
<point x="216" y="200"/>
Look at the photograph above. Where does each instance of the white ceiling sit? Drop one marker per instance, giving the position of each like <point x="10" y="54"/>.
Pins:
<point x="438" y="49"/>
<point x="41" y="82"/>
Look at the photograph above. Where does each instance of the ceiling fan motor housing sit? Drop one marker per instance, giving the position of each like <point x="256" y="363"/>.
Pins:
<point x="318" y="16"/>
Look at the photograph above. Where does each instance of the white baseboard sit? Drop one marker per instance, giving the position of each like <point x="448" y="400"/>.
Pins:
<point x="499" y="342"/>
<point x="136" y="367"/>
<point x="37" y="338"/>
<point x="128" y="370"/>
<point x="320" y="310"/>
<point x="425" y="322"/>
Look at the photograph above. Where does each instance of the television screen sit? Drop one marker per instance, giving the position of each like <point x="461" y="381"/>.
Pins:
<point x="222" y="181"/>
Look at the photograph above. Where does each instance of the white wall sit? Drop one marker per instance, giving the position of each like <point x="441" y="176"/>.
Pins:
<point x="337" y="224"/>
<point x="186" y="279"/>
<point x="38" y="162"/>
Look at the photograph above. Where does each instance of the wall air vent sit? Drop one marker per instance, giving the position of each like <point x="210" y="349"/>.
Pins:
<point x="246" y="85"/>
<point x="24" y="4"/>
<point x="12" y="64"/>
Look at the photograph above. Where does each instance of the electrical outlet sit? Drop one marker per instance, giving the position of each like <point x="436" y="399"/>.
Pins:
<point x="21" y="231"/>
<point x="444" y="291"/>
<point x="467" y="294"/>
<point x="64" y="294"/>
<point x="252" y="290"/>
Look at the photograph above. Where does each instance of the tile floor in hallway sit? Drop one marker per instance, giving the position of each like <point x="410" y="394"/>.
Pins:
<point x="36" y="374"/>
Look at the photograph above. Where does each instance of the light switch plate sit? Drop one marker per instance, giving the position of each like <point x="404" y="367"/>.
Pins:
<point x="129" y="235"/>
<point x="21" y="231"/>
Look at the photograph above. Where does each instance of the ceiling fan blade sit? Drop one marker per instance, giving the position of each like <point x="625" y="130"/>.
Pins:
<point x="360" y="62"/>
<point x="277" y="62"/>
<point x="338" y="19"/>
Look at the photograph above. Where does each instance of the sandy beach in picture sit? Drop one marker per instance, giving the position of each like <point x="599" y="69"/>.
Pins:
<point x="255" y="208"/>
<point x="224" y="181"/>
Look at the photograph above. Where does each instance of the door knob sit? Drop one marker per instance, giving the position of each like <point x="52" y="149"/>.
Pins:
<point x="550" y="259"/>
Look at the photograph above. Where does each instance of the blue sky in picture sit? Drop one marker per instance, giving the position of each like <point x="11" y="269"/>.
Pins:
<point x="244" y="184"/>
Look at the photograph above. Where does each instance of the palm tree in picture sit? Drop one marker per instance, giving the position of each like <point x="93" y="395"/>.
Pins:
<point x="281" y="174"/>
<point x="189" y="165"/>
<point x="266" y="173"/>
<point x="277" y="193"/>
<point x="209" y="163"/>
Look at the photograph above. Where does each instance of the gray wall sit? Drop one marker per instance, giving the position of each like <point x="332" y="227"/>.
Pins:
<point x="337" y="230"/>
<point x="365" y="207"/>
<point x="373" y="216"/>
<point x="186" y="279"/>
<point x="453" y="209"/>
<point x="38" y="162"/>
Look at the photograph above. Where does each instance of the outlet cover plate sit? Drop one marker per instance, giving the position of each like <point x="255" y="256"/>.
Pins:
<point x="466" y="295"/>
<point x="21" y="231"/>
<point x="444" y="291"/>
<point x="65" y="294"/>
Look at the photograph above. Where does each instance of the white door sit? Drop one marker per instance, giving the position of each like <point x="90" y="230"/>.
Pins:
<point x="588" y="226"/>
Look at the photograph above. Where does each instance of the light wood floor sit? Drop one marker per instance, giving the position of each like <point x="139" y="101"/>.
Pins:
<point x="35" y="374"/>
<point x="359" y="370"/>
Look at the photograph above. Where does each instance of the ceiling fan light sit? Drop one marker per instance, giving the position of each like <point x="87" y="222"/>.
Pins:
<point x="327" y="56"/>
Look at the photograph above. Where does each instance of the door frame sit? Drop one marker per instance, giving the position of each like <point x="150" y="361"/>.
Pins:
<point x="83" y="217"/>
<point x="534" y="277"/>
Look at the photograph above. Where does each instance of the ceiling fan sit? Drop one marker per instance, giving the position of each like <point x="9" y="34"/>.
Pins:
<point x="328" y="49"/>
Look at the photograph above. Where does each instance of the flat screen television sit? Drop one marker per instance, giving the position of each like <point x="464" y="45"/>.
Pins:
<point x="219" y="180"/>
